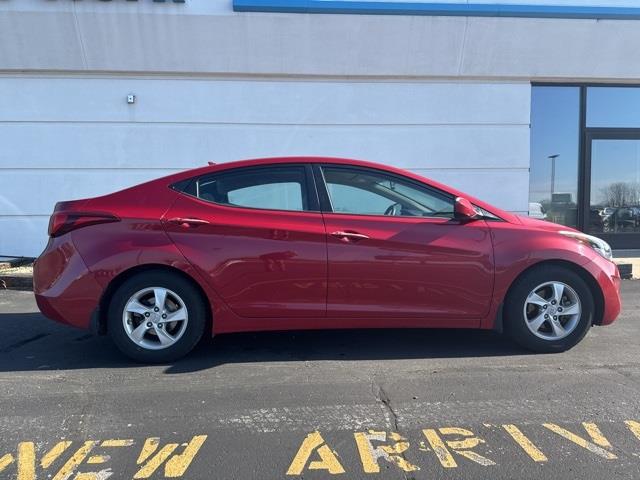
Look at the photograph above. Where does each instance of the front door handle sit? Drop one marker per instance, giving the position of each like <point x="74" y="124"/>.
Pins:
<point x="346" y="236"/>
<point x="188" y="222"/>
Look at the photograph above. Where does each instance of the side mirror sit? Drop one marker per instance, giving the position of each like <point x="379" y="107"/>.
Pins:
<point x="464" y="211"/>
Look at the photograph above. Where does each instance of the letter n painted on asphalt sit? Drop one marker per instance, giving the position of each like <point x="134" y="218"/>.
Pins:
<point x="328" y="458"/>
<point x="598" y="444"/>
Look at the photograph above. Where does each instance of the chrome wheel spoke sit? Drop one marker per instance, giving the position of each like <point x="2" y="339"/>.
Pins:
<point x="177" y="316"/>
<point x="558" y="330"/>
<point x="136" y="307"/>
<point x="570" y="310"/>
<point x="558" y="291"/>
<point x="164" y="337"/>
<point x="160" y="295"/>
<point x="536" y="299"/>
<point x="537" y="322"/>
<point x="138" y="332"/>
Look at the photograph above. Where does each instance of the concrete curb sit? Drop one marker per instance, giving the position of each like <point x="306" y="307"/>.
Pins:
<point x="9" y="262"/>
<point x="629" y="267"/>
<point x="16" y="273"/>
<point x="16" y="282"/>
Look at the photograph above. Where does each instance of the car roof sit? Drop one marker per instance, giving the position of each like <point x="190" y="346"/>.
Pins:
<point x="219" y="167"/>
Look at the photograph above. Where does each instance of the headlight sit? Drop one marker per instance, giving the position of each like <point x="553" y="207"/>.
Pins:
<point x="596" y="243"/>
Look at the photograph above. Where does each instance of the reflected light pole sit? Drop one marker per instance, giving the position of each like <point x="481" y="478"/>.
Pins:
<point x="553" y="172"/>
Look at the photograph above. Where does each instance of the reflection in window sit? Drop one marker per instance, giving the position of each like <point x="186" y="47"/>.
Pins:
<point x="276" y="188"/>
<point x="368" y="192"/>
<point x="613" y="107"/>
<point x="555" y="133"/>
<point x="615" y="186"/>
<point x="276" y="196"/>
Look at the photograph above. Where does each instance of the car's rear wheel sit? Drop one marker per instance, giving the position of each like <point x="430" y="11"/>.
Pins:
<point x="549" y="309"/>
<point x="156" y="316"/>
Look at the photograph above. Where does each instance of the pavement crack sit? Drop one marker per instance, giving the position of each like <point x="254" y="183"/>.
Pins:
<point x="382" y="397"/>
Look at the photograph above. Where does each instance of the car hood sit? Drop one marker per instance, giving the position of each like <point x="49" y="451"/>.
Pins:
<point x="543" y="224"/>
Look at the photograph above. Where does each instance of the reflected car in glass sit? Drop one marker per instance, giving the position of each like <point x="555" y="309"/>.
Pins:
<point x="314" y="243"/>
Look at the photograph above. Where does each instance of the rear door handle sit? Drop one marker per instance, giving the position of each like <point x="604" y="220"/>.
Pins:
<point x="188" y="222"/>
<point x="346" y="236"/>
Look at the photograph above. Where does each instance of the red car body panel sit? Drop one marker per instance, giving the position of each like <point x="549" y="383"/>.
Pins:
<point x="430" y="268"/>
<point x="65" y="289"/>
<point x="279" y="270"/>
<point x="269" y="264"/>
<point x="517" y="247"/>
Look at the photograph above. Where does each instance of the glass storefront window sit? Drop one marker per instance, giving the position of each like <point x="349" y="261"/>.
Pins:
<point x="555" y="137"/>
<point x="615" y="185"/>
<point x="613" y="107"/>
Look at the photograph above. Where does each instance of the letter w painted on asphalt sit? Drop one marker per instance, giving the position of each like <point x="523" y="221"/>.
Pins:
<point x="150" y="459"/>
<point x="174" y="466"/>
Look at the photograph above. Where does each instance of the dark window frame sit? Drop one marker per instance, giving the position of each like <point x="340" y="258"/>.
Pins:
<point x="325" y="201"/>
<point x="309" y="190"/>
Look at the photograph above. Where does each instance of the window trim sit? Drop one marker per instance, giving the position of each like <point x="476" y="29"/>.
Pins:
<point x="309" y="190"/>
<point x="325" y="198"/>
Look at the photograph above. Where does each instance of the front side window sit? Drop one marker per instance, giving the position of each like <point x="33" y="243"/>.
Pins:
<point x="369" y="192"/>
<point x="273" y="188"/>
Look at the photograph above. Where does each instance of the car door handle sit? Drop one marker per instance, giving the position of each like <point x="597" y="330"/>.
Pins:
<point x="349" y="235"/>
<point x="188" y="222"/>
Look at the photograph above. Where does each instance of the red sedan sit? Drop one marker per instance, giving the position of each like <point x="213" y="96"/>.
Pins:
<point x="310" y="243"/>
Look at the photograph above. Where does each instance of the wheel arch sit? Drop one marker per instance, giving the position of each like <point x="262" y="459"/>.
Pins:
<point x="591" y="282"/>
<point x="99" y="320"/>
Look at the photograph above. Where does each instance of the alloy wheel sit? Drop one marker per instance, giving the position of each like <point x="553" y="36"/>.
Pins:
<point x="552" y="310"/>
<point x="155" y="318"/>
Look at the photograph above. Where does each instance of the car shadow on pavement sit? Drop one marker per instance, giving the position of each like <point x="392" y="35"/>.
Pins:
<point x="29" y="342"/>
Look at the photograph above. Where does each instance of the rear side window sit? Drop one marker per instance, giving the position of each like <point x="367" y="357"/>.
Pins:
<point x="272" y="188"/>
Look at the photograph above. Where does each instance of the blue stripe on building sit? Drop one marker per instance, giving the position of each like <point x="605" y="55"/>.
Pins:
<point x="436" y="9"/>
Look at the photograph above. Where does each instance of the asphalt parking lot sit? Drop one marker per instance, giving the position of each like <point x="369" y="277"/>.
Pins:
<point x="337" y="404"/>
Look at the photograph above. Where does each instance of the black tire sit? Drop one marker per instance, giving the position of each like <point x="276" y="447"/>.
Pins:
<point x="514" y="317"/>
<point x="191" y="298"/>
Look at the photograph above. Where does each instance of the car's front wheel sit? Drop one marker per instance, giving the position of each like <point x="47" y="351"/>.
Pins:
<point x="549" y="309"/>
<point x="156" y="316"/>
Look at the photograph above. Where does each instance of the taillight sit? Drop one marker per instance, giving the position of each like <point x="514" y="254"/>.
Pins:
<point x="64" y="222"/>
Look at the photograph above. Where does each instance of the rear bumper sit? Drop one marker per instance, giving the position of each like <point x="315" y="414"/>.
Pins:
<point x="608" y="278"/>
<point x="65" y="290"/>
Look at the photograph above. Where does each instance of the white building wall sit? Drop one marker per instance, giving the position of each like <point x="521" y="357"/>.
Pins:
<point x="445" y="96"/>
<point x="67" y="138"/>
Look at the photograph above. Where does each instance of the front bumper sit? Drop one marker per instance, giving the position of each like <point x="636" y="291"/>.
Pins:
<point x="65" y="290"/>
<point x="608" y="278"/>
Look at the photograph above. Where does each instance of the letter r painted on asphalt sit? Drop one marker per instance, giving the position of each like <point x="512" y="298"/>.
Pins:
<point x="393" y="452"/>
